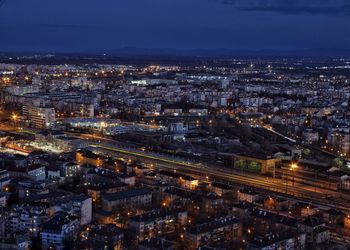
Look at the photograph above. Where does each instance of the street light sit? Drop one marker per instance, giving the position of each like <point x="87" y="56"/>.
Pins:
<point x="14" y="118"/>
<point x="293" y="167"/>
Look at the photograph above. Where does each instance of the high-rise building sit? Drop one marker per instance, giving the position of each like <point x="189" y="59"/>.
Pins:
<point x="39" y="116"/>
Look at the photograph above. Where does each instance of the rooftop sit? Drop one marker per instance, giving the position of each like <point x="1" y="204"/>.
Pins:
<point x="55" y="224"/>
<point x="209" y="226"/>
<point x="127" y="194"/>
<point x="157" y="243"/>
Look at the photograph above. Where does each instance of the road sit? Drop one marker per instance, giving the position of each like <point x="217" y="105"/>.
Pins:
<point x="269" y="128"/>
<point x="282" y="187"/>
<point x="294" y="189"/>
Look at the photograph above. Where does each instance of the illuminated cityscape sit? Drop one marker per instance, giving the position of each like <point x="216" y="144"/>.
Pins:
<point x="172" y="147"/>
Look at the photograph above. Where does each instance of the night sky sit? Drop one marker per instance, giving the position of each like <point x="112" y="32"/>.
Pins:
<point x="90" y="25"/>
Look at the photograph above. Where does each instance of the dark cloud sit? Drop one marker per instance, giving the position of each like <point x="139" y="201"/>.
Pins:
<point x="84" y="25"/>
<point x="324" y="7"/>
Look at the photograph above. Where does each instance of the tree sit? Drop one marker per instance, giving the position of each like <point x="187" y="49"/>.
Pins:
<point x="338" y="162"/>
<point x="306" y="152"/>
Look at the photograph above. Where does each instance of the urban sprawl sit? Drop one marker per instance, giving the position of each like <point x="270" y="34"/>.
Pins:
<point x="204" y="154"/>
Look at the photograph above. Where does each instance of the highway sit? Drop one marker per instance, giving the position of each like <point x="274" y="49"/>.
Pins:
<point x="301" y="191"/>
<point x="308" y="193"/>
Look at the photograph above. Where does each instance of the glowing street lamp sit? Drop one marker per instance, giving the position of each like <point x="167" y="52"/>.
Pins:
<point x="14" y="117"/>
<point x="293" y="167"/>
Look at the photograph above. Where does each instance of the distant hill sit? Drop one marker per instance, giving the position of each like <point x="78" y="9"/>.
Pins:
<point x="134" y="51"/>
